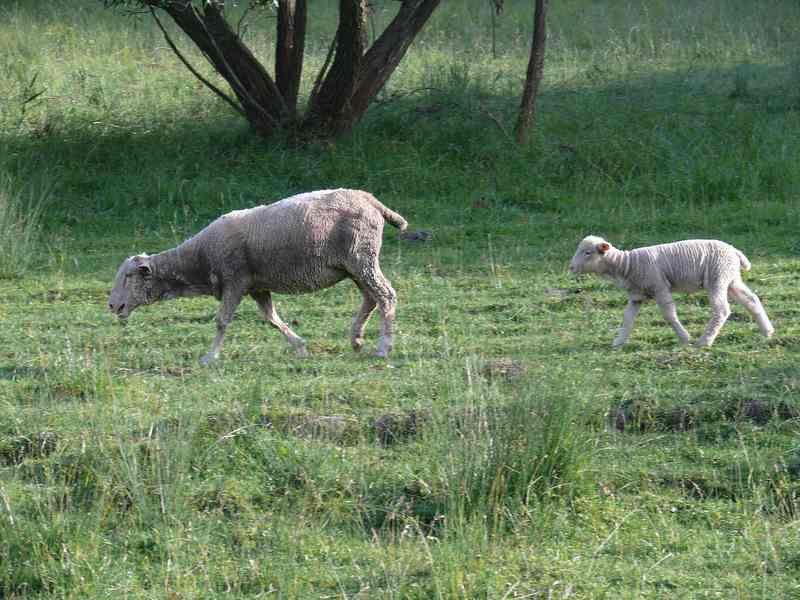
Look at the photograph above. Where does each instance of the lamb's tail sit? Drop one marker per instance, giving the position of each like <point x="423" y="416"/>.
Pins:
<point x="389" y="215"/>
<point x="743" y="260"/>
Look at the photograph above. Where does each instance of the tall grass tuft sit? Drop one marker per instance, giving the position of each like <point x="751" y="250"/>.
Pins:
<point x="512" y="454"/>
<point x="20" y="225"/>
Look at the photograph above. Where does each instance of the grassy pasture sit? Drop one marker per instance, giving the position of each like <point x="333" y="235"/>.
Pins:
<point x="504" y="451"/>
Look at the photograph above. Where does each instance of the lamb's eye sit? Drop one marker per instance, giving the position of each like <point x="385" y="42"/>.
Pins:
<point x="587" y="252"/>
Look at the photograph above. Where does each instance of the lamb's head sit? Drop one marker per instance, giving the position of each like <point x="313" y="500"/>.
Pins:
<point x="133" y="286"/>
<point x="589" y="255"/>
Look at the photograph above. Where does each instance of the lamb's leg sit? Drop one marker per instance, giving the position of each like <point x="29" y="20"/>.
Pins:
<point x="264" y="301"/>
<point x="745" y="296"/>
<point x="667" y="306"/>
<point x="360" y="319"/>
<point x="230" y="301"/>
<point x="374" y="283"/>
<point x="627" y="322"/>
<point x="720" y="311"/>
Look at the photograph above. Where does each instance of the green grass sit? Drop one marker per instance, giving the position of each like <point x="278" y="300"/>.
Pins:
<point x="504" y="450"/>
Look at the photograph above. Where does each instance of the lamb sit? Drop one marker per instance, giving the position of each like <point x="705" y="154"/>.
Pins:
<point x="300" y="244"/>
<point x="686" y="266"/>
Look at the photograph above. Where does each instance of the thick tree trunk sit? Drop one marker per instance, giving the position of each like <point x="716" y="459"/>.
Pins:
<point x="533" y="77"/>
<point x="330" y="103"/>
<point x="291" y="36"/>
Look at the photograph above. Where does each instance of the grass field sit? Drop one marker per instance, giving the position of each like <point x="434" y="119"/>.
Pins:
<point x="504" y="450"/>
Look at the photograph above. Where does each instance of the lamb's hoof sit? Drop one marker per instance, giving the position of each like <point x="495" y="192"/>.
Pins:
<point x="208" y="359"/>
<point x="357" y="344"/>
<point x="301" y="351"/>
<point x="769" y="334"/>
<point x="704" y="343"/>
<point x="379" y="353"/>
<point x="618" y="343"/>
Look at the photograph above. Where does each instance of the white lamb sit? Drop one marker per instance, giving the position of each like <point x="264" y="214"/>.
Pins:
<point x="657" y="271"/>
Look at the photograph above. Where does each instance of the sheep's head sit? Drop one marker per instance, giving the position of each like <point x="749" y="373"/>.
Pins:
<point x="589" y="255"/>
<point x="133" y="286"/>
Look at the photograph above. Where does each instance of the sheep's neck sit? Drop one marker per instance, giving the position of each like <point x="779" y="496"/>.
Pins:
<point x="176" y="273"/>
<point x="617" y="263"/>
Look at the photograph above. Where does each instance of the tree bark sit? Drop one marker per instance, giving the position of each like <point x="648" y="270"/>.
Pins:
<point x="290" y="49"/>
<point x="533" y="77"/>
<point x="329" y="105"/>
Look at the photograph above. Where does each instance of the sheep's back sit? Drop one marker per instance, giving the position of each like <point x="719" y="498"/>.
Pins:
<point x="303" y="242"/>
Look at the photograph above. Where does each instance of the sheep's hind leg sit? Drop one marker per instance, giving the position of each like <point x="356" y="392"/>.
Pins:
<point x="264" y="301"/>
<point x="628" y="320"/>
<point x="745" y="296"/>
<point x="375" y="284"/>
<point x="227" y="308"/>
<point x="720" y="311"/>
<point x="360" y="319"/>
<point x="667" y="306"/>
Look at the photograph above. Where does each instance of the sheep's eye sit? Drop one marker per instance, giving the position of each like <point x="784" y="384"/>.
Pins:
<point x="588" y="252"/>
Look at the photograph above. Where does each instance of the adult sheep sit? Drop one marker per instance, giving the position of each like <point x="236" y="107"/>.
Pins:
<point x="686" y="266"/>
<point x="300" y="244"/>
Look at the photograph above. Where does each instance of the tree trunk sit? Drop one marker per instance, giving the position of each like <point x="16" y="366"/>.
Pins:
<point x="291" y="36"/>
<point x="346" y="85"/>
<point x="329" y="105"/>
<point x="527" y="110"/>
<point x="388" y="50"/>
<point x="257" y="93"/>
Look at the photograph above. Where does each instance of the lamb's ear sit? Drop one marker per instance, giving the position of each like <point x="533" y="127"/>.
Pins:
<point x="145" y="271"/>
<point x="603" y="247"/>
<point x="143" y="266"/>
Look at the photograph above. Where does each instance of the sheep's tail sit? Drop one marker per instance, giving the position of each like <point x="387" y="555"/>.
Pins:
<point x="389" y="215"/>
<point x="743" y="260"/>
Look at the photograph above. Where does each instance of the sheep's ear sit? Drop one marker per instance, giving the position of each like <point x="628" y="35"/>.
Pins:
<point x="603" y="247"/>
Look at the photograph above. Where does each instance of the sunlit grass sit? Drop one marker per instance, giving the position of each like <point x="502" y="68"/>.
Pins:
<point x="504" y="450"/>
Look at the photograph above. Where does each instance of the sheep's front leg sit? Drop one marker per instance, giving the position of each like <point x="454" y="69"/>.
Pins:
<point x="627" y="322"/>
<point x="264" y="300"/>
<point x="230" y="300"/>
<point x="667" y="306"/>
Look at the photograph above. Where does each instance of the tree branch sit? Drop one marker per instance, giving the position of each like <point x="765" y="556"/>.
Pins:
<point x="193" y="71"/>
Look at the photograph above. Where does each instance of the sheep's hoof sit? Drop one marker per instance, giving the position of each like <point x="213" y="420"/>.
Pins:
<point x="704" y="343"/>
<point x="380" y="353"/>
<point x="301" y="351"/>
<point x="618" y="343"/>
<point x="357" y="344"/>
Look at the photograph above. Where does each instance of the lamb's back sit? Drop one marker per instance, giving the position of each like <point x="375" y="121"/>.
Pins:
<point x="687" y="265"/>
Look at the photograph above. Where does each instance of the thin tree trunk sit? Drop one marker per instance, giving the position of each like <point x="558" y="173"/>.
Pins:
<point x="260" y="98"/>
<point x="388" y="50"/>
<point x="291" y="36"/>
<point x="527" y="110"/>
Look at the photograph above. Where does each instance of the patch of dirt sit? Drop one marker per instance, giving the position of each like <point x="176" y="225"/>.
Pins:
<point x="14" y="449"/>
<point x="393" y="428"/>
<point x="504" y="368"/>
